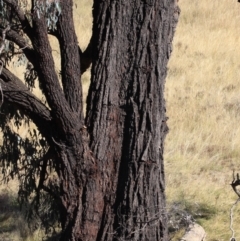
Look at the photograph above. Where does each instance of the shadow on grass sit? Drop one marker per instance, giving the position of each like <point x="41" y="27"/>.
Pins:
<point x="12" y="224"/>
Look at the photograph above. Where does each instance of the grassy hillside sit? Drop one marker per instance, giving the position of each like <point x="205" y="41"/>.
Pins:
<point x="203" y="105"/>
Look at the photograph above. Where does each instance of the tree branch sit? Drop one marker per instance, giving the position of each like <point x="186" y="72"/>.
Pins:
<point x="2" y="46"/>
<point x="17" y="93"/>
<point x="85" y="57"/>
<point x="26" y="27"/>
<point x="70" y="59"/>
<point x="62" y="113"/>
<point x="14" y="37"/>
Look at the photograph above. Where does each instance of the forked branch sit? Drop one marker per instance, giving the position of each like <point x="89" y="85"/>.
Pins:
<point x="69" y="57"/>
<point x="48" y="77"/>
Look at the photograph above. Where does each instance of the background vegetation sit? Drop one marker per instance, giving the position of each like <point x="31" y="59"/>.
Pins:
<point x="203" y="105"/>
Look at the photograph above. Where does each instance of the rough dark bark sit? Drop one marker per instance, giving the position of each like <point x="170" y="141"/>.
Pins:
<point x="111" y="171"/>
<point x="126" y="114"/>
<point x="70" y="63"/>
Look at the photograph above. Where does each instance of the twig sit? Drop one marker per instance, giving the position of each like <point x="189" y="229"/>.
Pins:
<point x="61" y="145"/>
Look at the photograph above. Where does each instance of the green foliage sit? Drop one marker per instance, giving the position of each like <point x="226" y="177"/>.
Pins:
<point x="50" y="10"/>
<point x="4" y="15"/>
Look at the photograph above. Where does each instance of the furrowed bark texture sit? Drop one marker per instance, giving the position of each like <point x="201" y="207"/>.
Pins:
<point x="111" y="175"/>
<point x="66" y="118"/>
<point x="70" y="58"/>
<point x="126" y="114"/>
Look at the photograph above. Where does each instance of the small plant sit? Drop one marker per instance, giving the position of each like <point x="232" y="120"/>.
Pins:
<point x="179" y="218"/>
<point x="183" y="214"/>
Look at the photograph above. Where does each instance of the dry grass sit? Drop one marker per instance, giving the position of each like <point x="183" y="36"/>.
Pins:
<point x="203" y="104"/>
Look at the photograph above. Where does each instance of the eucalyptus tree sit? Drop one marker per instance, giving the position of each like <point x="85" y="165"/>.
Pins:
<point x="102" y="173"/>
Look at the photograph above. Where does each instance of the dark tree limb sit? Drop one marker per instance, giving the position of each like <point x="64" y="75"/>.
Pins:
<point x="66" y="118"/>
<point x="70" y="59"/>
<point x="14" y="37"/>
<point x="17" y="39"/>
<point x="85" y="56"/>
<point x="26" y="27"/>
<point x="16" y="93"/>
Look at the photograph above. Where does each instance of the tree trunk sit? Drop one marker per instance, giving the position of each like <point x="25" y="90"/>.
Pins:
<point x="110" y="171"/>
<point x="126" y="114"/>
<point x="122" y="195"/>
